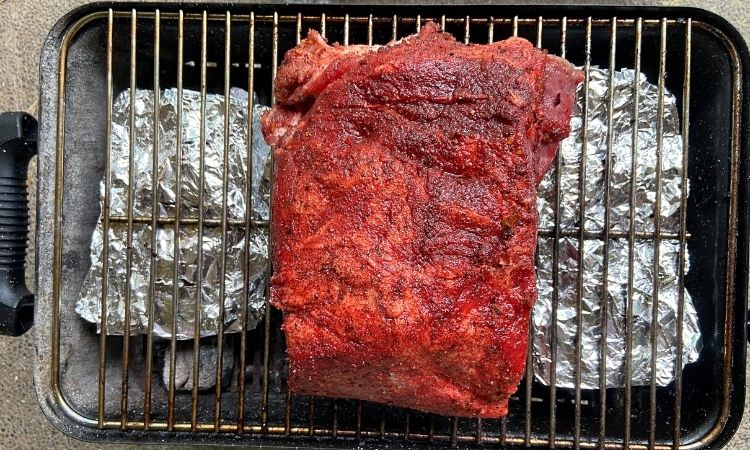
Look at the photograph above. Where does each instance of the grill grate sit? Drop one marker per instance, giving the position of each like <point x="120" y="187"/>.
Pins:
<point x="539" y="415"/>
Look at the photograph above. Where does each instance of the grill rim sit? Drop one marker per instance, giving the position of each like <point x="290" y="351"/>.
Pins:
<point x="46" y="375"/>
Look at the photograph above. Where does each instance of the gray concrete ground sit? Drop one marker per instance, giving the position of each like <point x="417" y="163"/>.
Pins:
<point x="23" y="26"/>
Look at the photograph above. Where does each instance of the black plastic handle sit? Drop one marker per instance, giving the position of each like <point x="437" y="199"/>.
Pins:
<point x="18" y="138"/>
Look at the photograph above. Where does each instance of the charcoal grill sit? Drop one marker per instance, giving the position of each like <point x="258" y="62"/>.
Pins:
<point x="98" y="387"/>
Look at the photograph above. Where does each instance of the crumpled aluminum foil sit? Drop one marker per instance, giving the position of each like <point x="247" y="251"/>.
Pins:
<point x="89" y="307"/>
<point x="593" y="249"/>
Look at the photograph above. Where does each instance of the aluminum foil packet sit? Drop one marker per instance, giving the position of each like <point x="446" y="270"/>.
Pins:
<point x="594" y="204"/>
<point x="241" y="256"/>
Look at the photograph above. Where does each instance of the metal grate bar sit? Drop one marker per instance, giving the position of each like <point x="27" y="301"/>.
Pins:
<point x="539" y="26"/>
<point x="322" y="432"/>
<point x="299" y="28"/>
<point x="207" y="222"/>
<point x="223" y="250"/>
<point x="555" y="266"/>
<point x="631" y="240"/>
<point x="683" y="229"/>
<point x="369" y="29"/>
<point x="605" y="261"/>
<point x="346" y="29"/>
<point x="177" y="217"/>
<point x="288" y="410"/>
<point x="581" y="237"/>
<point x="105" y="226"/>
<point x="394" y="27"/>
<point x="268" y="18"/>
<point x="542" y="232"/>
<point x="201" y="215"/>
<point x="267" y="321"/>
<point x="657" y="243"/>
<point x="154" y="215"/>
<point x="529" y="352"/>
<point x="248" y="221"/>
<point x="129" y="238"/>
<point x="323" y="25"/>
<point x="275" y="52"/>
<point x="467" y="34"/>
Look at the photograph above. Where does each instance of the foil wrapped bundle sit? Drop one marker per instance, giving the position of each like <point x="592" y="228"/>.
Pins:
<point x="593" y="252"/>
<point x="242" y="257"/>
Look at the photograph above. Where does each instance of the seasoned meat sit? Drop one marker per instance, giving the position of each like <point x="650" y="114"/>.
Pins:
<point x="403" y="215"/>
